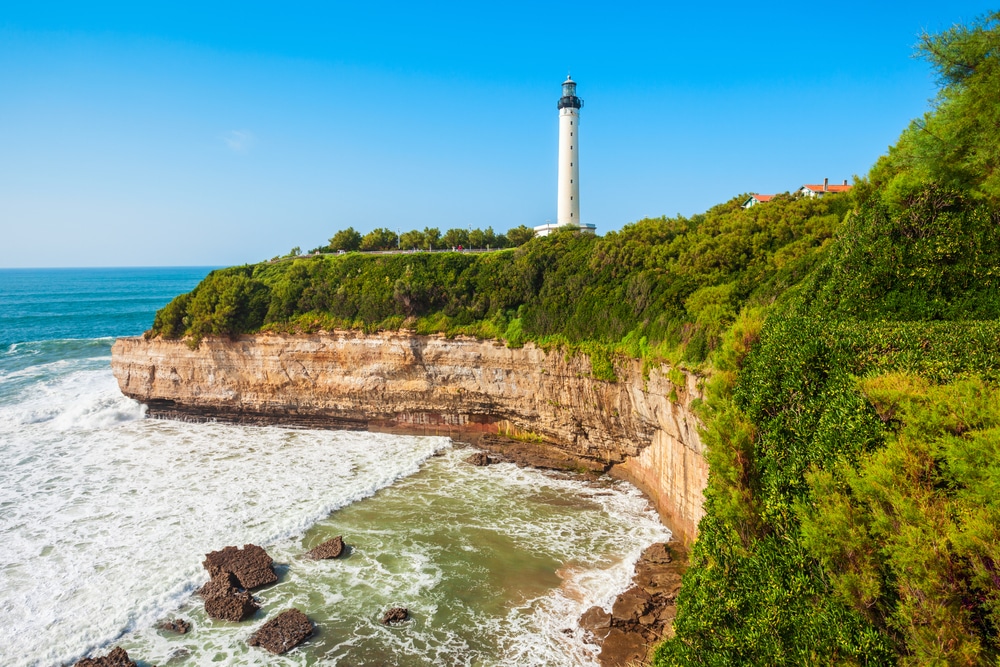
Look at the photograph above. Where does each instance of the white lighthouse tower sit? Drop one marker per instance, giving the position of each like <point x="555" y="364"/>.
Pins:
<point x="568" y="179"/>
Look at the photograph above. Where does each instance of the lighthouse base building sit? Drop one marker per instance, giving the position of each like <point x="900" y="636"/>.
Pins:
<point x="568" y="180"/>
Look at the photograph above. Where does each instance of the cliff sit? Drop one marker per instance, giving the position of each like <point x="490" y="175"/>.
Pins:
<point x="641" y="428"/>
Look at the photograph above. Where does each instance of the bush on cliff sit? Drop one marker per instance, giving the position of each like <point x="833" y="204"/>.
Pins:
<point x="662" y="287"/>
<point x="226" y="303"/>
<point x="808" y="509"/>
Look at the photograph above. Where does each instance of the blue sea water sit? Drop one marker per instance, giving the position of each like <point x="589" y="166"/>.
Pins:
<point x="60" y="304"/>
<point x="105" y="515"/>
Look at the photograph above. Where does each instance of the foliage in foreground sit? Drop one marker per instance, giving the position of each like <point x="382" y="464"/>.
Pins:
<point x="794" y="528"/>
<point x="852" y="511"/>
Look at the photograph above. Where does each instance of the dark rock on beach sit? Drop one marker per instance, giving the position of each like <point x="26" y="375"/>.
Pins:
<point x="623" y="649"/>
<point x="630" y="605"/>
<point x="117" y="658"/>
<point x="329" y="549"/>
<point x="395" y="615"/>
<point x="597" y="621"/>
<point x="251" y="565"/>
<point x="479" y="459"/>
<point x="643" y="615"/>
<point x="283" y="632"/>
<point x="178" y="625"/>
<point x="221" y="584"/>
<point x="536" y="455"/>
<point x="224" y="601"/>
<point x="235" y="607"/>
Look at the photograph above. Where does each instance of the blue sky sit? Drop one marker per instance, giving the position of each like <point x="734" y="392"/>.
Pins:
<point x="143" y="134"/>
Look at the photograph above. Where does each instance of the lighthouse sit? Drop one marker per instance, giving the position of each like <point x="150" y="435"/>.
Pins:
<point x="568" y="172"/>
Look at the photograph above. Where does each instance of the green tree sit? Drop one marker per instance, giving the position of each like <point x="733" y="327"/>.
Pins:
<point x="455" y="237"/>
<point x="432" y="238"/>
<point x="956" y="144"/>
<point x="412" y="239"/>
<point x="381" y="238"/>
<point x="911" y="536"/>
<point x="170" y="321"/>
<point x="477" y="238"/>
<point x="489" y="238"/>
<point x="347" y="240"/>
<point x="518" y="236"/>
<point x="227" y="302"/>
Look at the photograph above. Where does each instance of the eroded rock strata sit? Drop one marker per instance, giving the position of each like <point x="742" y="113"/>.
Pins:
<point x="640" y="428"/>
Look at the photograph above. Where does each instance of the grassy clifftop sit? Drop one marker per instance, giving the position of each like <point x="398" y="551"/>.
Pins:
<point x="664" y="287"/>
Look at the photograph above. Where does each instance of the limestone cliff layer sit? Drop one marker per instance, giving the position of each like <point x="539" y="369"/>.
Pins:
<point x="642" y="428"/>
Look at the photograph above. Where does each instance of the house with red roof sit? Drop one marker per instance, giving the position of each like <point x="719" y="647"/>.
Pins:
<point x="757" y="199"/>
<point x="820" y="190"/>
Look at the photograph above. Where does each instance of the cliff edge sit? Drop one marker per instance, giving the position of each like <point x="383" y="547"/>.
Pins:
<point x="642" y="428"/>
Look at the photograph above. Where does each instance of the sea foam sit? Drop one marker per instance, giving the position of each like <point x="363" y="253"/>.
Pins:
<point x="105" y="516"/>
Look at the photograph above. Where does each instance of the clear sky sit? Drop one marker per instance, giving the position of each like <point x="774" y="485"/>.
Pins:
<point x="149" y="133"/>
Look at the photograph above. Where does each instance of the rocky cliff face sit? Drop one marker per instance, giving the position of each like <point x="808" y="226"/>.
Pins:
<point x="642" y="428"/>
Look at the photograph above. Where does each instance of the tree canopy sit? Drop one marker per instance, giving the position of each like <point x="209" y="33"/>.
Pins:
<point x="955" y="145"/>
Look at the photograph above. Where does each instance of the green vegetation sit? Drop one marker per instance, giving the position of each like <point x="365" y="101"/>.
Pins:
<point x="382" y="238"/>
<point x="852" y="345"/>
<point x="663" y="288"/>
<point x="956" y="145"/>
<point x="852" y="432"/>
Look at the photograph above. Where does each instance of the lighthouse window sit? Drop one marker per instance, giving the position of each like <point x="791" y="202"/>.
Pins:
<point x="571" y="215"/>
<point x="571" y="199"/>
<point x="571" y="164"/>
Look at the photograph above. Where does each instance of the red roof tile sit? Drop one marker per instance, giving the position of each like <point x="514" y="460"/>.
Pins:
<point x="829" y="188"/>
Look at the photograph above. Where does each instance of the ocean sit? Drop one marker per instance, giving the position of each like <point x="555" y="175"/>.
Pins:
<point x="106" y="515"/>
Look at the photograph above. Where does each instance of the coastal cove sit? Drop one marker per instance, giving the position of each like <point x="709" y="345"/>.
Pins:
<point x="538" y="408"/>
<point x="640" y="428"/>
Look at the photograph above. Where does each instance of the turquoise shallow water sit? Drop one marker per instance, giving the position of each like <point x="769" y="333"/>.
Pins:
<point x="105" y="515"/>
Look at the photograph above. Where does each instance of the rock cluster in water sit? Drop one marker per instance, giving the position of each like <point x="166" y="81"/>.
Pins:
<point x="117" y="658"/>
<point x="178" y="625"/>
<point x="329" y="549"/>
<point x="395" y="615"/>
<point x="644" y="614"/>
<point x="234" y="572"/>
<point x="283" y="632"/>
<point x="224" y="601"/>
<point x="479" y="459"/>
<point x="251" y="565"/>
